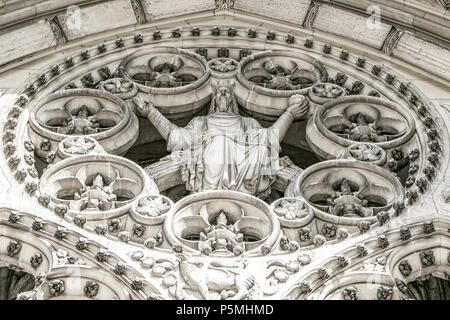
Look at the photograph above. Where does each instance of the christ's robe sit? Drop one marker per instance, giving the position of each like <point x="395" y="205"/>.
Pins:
<point x="224" y="151"/>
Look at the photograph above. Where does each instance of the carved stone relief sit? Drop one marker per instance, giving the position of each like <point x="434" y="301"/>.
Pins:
<point x="228" y="199"/>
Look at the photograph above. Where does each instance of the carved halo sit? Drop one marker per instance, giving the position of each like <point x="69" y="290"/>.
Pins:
<point x="424" y="256"/>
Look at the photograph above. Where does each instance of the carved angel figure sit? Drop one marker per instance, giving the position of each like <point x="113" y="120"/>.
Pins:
<point x="117" y="85"/>
<point x="345" y="202"/>
<point x="227" y="281"/>
<point x="291" y="208"/>
<point x="366" y="152"/>
<point x="78" y="145"/>
<point x="364" y="130"/>
<point x="79" y="123"/>
<point x="96" y="196"/>
<point x="223" y="228"/>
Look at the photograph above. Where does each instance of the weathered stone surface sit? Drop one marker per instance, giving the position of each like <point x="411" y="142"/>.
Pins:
<point x="293" y="11"/>
<point x="440" y="5"/>
<point x="26" y="40"/>
<point x="350" y="25"/>
<point x="159" y="9"/>
<point x="424" y="54"/>
<point x="77" y="24"/>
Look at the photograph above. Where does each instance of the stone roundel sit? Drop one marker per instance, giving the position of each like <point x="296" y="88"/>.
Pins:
<point x="266" y="80"/>
<point x="347" y="191"/>
<point x="151" y="209"/>
<point x="345" y="121"/>
<point x="223" y="67"/>
<point x="77" y="146"/>
<point x="98" y="186"/>
<point x="292" y="212"/>
<point x="222" y="223"/>
<point x="174" y="80"/>
<point x="82" y="112"/>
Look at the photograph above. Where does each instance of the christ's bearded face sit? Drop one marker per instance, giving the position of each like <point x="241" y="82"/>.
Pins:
<point x="223" y="100"/>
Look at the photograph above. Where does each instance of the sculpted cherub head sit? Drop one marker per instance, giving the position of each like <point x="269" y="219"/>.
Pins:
<point x="223" y="99"/>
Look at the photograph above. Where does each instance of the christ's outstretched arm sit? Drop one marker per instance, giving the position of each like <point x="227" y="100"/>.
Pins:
<point x="161" y="123"/>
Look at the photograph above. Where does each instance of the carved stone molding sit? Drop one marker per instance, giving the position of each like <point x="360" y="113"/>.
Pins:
<point x="391" y="40"/>
<point x="311" y="15"/>
<point x="139" y="11"/>
<point x="58" y="31"/>
<point x="52" y="263"/>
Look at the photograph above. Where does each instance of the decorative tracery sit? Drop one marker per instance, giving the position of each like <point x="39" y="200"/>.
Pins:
<point x="321" y="113"/>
